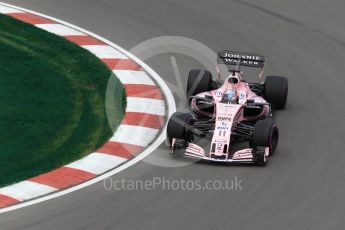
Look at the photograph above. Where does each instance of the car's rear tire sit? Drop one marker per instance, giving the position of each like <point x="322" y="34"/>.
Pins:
<point x="179" y="127"/>
<point x="265" y="134"/>
<point x="276" y="91"/>
<point x="198" y="81"/>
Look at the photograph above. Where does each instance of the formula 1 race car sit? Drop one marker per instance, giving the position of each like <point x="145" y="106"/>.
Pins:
<point x="229" y="111"/>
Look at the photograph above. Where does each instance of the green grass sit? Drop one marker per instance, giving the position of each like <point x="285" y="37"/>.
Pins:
<point x="52" y="101"/>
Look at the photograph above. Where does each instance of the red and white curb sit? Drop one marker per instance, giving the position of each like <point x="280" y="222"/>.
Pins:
<point x="149" y="102"/>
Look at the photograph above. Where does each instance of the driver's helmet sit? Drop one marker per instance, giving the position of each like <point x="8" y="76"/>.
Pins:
<point x="230" y="96"/>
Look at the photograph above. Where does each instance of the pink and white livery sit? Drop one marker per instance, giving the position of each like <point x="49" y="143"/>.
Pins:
<point x="229" y="112"/>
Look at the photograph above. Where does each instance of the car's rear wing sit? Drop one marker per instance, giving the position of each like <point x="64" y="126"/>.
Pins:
<point x="228" y="57"/>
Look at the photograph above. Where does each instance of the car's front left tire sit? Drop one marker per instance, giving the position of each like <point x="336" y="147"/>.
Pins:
<point x="259" y="155"/>
<point x="265" y="134"/>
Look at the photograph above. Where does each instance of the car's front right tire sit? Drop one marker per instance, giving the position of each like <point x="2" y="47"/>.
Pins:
<point x="179" y="127"/>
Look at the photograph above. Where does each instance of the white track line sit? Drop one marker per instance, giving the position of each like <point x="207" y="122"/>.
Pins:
<point x="8" y="10"/>
<point x="139" y="135"/>
<point x="133" y="77"/>
<point x="26" y="190"/>
<point x="58" y="29"/>
<point x="170" y="106"/>
<point x="145" y="105"/>
<point x="102" y="51"/>
<point x="97" y="163"/>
